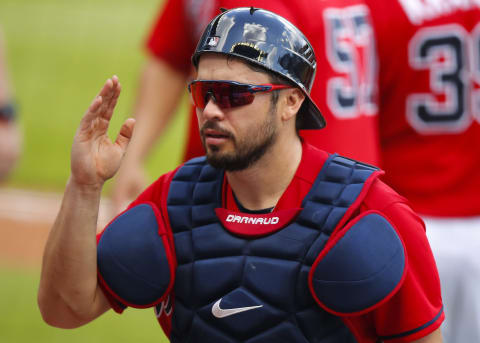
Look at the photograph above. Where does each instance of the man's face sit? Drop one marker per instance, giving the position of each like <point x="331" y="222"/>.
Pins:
<point x="235" y="138"/>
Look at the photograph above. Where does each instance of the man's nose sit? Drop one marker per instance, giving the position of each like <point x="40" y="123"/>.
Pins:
<point x="212" y="110"/>
<point x="209" y="96"/>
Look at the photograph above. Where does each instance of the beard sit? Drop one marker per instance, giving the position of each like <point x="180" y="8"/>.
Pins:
<point x="247" y="150"/>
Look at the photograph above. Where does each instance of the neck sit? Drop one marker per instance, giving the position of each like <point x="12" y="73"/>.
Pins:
<point x="261" y="185"/>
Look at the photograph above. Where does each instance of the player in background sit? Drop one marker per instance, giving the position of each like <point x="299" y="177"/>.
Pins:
<point x="10" y="135"/>
<point x="429" y="113"/>
<point x="341" y="34"/>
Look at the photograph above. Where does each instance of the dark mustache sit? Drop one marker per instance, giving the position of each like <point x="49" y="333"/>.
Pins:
<point x="213" y="125"/>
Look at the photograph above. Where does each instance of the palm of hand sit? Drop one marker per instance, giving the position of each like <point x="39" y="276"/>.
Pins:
<point x="94" y="157"/>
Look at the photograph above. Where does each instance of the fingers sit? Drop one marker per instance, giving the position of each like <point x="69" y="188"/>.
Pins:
<point x="125" y="134"/>
<point x="91" y="113"/>
<point x="110" y="93"/>
<point x="103" y="104"/>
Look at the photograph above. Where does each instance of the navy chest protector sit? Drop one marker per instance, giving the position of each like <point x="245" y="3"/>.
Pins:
<point x="292" y="285"/>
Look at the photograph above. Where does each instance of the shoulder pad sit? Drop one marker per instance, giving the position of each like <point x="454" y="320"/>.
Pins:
<point x="135" y="262"/>
<point x="360" y="267"/>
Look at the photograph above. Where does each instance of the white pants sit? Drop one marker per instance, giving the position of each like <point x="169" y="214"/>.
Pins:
<point x="455" y="244"/>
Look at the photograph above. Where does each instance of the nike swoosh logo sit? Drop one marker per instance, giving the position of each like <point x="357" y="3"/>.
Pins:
<point x="222" y="313"/>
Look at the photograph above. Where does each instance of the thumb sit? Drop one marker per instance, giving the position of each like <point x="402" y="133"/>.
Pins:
<point x="125" y="134"/>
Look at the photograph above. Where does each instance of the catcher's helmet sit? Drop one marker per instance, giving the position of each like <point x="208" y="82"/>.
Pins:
<point x="271" y="42"/>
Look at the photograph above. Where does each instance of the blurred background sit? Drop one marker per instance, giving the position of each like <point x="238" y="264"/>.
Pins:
<point x="59" y="53"/>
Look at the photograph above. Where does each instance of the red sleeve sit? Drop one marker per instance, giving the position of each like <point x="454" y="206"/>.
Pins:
<point x="156" y="191"/>
<point x="171" y="37"/>
<point x="416" y="309"/>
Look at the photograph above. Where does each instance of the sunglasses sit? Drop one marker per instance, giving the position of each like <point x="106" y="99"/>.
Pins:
<point x="227" y="94"/>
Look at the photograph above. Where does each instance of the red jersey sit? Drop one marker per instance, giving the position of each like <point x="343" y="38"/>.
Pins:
<point x="341" y="34"/>
<point x="429" y="53"/>
<point x="415" y="310"/>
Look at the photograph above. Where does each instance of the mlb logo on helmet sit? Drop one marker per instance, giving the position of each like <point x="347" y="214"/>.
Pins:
<point x="213" y="41"/>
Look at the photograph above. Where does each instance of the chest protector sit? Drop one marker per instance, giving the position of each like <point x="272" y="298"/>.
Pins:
<point x="232" y="288"/>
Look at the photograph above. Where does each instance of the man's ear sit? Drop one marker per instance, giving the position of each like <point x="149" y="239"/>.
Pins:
<point x="293" y="99"/>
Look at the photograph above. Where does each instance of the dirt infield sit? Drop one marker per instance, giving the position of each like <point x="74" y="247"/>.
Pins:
<point x="22" y="243"/>
<point x="25" y="220"/>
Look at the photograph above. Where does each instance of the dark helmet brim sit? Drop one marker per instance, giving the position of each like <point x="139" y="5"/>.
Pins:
<point x="309" y="116"/>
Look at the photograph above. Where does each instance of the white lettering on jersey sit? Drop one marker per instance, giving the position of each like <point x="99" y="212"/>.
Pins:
<point x="164" y="308"/>
<point x="232" y="218"/>
<point x="419" y="11"/>
<point x="351" y="53"/>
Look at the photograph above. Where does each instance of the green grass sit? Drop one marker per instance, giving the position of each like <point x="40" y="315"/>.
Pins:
<point x="60" y="52"/>
<point x="20" y="319"/>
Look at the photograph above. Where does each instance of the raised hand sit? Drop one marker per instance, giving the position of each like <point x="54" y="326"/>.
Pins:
<point x="94" y="157"/>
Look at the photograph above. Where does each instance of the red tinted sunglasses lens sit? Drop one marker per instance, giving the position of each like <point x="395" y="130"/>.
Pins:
<point x="196" y="91"/>
<point x="225" y="94"/>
